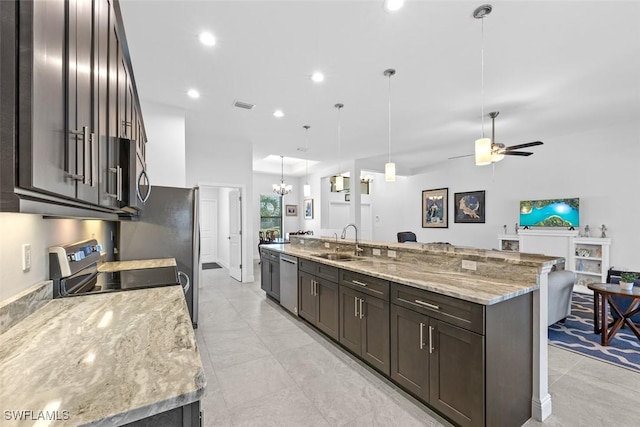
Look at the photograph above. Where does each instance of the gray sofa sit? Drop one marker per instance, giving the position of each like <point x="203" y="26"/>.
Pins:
<point x="560" y="288"/>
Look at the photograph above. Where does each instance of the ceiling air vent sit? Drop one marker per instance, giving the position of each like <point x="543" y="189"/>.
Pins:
<point x="244" y="105"/>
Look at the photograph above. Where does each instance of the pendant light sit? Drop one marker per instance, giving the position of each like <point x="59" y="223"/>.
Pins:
<point x="389" y="167"/>
<point x="339" y="185"/>
<point x="307" y="188"/>
<point x="482" y="145"/>
<point x="282" y="188"/>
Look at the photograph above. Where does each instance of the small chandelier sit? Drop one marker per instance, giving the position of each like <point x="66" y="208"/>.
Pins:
<point x="282" y="188"/>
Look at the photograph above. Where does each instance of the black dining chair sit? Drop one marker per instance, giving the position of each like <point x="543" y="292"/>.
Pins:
<point x="613" y="276"/>
<point x="406" y="236"/>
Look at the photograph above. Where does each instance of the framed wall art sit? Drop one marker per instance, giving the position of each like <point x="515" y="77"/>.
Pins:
<point x="469" y="207"/>
<point x="291" y="210"/>
<point x="435" y="211"/>
<point x="308" y="208"/>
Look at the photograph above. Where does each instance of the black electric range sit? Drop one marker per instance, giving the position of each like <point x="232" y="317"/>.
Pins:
<point x="74" y="271"/>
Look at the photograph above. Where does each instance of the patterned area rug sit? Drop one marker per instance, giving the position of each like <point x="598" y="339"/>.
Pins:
<point x="577" y="335"/>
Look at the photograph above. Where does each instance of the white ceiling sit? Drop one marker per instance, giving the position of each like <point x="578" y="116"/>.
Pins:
<point x="552" y="68"/>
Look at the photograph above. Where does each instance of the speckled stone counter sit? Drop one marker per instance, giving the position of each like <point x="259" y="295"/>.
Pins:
<point x="436" y="268"/>
<point x="109" y="267"/>
<point x="105" y="359"/>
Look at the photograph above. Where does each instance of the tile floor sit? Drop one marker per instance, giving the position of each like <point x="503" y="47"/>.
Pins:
<point x="266" y="368"/>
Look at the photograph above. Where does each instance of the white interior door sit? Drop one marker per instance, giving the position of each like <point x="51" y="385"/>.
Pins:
<point x="209" y="230"/>
<point x="235" y="235"/>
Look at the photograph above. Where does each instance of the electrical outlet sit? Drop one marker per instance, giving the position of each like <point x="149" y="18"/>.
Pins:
<point x="26" y="256"/>
<point x="469" y="265"/>
<point x="391" y="254"/>
<point x="327" y="245"/>
<point x="376" y="252"/>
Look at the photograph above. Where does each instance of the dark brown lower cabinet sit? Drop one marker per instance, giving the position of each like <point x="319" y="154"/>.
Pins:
<point x="440" y="363"/>
<point x="364" y="327"/>
<point x="318" y="302"/>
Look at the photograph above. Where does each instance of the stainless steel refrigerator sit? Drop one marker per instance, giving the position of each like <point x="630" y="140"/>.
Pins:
<point x="167" y="227"/>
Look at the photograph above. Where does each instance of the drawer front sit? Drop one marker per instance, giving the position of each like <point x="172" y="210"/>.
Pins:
<point x="308" y="266"/>
<point x="325" y="271"/>
<point x="465" y="314"/>
<point x="370" y="285"/>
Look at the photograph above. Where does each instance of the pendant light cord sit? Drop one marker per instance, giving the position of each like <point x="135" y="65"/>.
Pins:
<point x="482" y="75"/>
<point x="390" y="74"/>
<point x="306" y="160"/>
<point x="339" y="139"/>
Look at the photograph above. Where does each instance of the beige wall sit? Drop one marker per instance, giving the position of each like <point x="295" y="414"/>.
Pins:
<point x="18" y="229"/>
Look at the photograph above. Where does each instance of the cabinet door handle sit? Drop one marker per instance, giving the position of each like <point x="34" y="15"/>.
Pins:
<point x="431" y="339"/>
<point x="94" y="155"/>
<point x="355" y="306"/>
<point x="313" y="288"/>
<point x="361" y="311"/>
<point x="76" y="176"/>
<point x="421" y="337"/>
<point x="86" y="158"/>
<point x="356" y="282"/>
<point x="426" y="304"/>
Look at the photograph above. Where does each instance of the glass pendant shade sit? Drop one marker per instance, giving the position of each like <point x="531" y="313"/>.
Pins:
<point x="390" y="172"/>
<point x="339" y="183"/>
<point x="306" y="190"/>
<point x="483" y="151"/>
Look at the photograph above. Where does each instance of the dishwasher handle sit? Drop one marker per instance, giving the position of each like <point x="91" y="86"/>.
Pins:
<point x="288" y="259"/>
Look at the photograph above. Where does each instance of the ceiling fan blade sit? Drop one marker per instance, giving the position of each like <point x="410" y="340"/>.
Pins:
<point x="458" y="157"/>
<point x="517" y="153"/>
<point x="528" y="144"/>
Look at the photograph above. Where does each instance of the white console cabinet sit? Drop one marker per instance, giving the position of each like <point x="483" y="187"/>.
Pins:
<point x="588" y="257"/>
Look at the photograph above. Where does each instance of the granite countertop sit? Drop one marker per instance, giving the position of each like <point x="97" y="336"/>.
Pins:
<point x="105" y="359"/>
<point x="473" y="288"/>
<point x="139" y="264"/>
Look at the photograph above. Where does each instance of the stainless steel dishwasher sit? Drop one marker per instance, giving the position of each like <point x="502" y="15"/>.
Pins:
<point x="289" y="283"/>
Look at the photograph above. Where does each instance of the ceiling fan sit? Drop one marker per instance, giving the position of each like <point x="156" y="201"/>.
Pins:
<point x="498" y="151"/>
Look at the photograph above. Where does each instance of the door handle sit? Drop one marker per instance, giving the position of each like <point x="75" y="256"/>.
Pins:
<point x="187" y="285"/>
<point x="356" y="282"/>
<point x="355" y="306"/>
<point x="361" y="311"/>
<point x="94" y="155"/>
<point x="86" y="158"/>
<point x="421" y="337"/>
<point x="431" y="339"/>
<point x="76" y="176"/>
<point x="118" y="194"/>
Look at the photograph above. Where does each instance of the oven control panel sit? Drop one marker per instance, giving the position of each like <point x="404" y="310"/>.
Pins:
<point x="66" y="260"/>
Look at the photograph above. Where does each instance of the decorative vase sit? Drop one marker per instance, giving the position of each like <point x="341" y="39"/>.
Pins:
<point x="626" y="286"/>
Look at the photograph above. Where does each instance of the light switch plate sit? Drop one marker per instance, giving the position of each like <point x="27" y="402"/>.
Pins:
<point x="26" y="256"/>
<point x="376" y="252"/>
<point x="391" y="254"/>
<point x="327" y="245"/>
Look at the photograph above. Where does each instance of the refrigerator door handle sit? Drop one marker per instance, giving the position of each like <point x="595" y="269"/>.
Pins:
<point x="187" y="285"/>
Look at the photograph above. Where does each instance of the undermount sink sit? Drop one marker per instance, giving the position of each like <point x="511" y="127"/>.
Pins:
<point x="332" y="256"/>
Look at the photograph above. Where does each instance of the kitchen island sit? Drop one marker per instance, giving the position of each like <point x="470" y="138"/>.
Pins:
<point x="490" y="307"/>
<point x="107" y="359"/>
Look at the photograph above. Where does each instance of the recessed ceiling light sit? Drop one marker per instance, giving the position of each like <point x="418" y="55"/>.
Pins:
<point x="207" y="38"/>
<point x="278" y="114"/>
<point x="192" y="93"/>
<point x="393" y="5"/>
<point x="317" y="77"/>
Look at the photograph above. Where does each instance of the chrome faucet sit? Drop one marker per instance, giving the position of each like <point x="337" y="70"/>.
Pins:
<point x="357" y="250"/>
